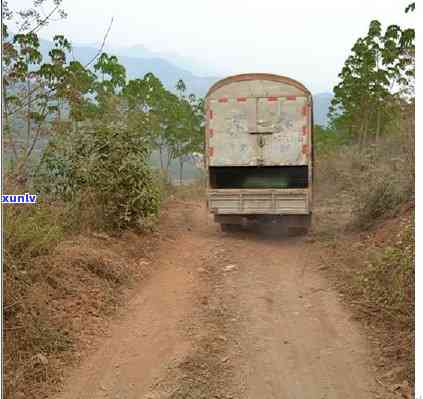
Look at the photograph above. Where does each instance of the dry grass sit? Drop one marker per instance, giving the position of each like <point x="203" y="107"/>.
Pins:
<point x="364" y="221"/>
<point x="62" y="277"/>
<point x="366" y="185"/>
<point x="57" y="291"/>
<point x="374" y="272"/>
<point x="188" y="192"/>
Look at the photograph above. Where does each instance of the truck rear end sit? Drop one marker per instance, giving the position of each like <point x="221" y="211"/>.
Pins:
<point x="259" y="153"/>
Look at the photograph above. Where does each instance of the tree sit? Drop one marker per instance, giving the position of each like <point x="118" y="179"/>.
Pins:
<point x="370" y="80"/>
<point x="32" y="19"/>
<point x="45" y="97"/>
<point x="411" y="7"/>
<point x="186" y="134"/>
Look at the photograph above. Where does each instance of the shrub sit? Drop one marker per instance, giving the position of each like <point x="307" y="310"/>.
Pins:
<point x="103" y="166"/>
<point x="192" y="191"/>
<point x="327" y="140"/>
<point x="381" y="195"/>
<point x="376" y="180"/>
<point x="389" y="280"/>
<point x="383" y="180"/>
<point x="385" y="286"/>
<point x="32" y="230"/>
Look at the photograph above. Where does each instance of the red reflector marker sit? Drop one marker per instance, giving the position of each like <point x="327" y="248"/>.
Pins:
<point x="223" y="99"/>
<point x="304" y="130"/>
<point x="272" y="99"/>
<point x="211" y="132"/>
<point x="241" y="99"/>
<point x="211" y="151"/>
<point x="210" y="114"/>
<point x="291" y="98"/>
<point x="305" y="149"/>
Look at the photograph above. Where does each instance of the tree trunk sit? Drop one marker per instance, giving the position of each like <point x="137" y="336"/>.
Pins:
<point x="161" y="156"/>
<point x="6" y="126"/>
<point x="28" y="120"/>
<point x="378" y="121"/>
<point x="361" y="135"/>
<point x="181" y="170"/>
<point x="366" y="129"/>
<point x="169" y="160"/>
<point x="59" y="116"/>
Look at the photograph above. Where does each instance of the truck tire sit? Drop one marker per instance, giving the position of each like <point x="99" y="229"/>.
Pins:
<point x="229" y="228"/>
<point x="297" y="231"/>
<point x="302" y="228"/>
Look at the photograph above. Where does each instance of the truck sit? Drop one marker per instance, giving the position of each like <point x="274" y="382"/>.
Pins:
<point x="259" y="152"/>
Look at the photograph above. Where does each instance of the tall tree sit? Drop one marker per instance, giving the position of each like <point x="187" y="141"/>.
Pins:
<point x="371" y="77"/>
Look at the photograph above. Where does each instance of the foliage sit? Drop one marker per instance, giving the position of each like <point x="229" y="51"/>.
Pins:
<point x="372" y="81"/>
<point x="411" y="7"/>
<point x="394" y="269"/>
<point x="99" y="127"/>
<point x="105" y="162"/>
<point x="327" y="140"/>
<point x="35" y="17"/>
<point x="386" y="284"/>
<point x="32" y="230"/>
<point x="187" y="134"/>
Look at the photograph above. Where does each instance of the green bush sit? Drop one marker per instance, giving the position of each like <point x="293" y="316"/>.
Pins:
<point x="32" y="230"/>
<point x="103" y="166"/>
<point x="327" y="140"/>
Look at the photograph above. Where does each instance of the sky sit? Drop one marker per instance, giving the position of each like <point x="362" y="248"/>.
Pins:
<point x="303" y="39"/>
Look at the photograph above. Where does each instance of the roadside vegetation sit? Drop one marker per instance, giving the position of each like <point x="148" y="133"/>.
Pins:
<point x="365" y="195"/>
<point x="81" y="137"/>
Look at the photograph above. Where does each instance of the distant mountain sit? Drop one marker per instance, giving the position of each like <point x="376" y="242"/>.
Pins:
<point x="137" y="51"/>
<point x="321" y="103"/>
<point x="139" y="60"/>
<point x="137" y="67"/>
<point x="183" y="62"/>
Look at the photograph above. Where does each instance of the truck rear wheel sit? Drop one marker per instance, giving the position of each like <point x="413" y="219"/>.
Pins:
<point x="230" y="228"/>
<point x="301" y="227"/>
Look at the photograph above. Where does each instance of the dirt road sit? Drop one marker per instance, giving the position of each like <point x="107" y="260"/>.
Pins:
<point x="230" y="316"/>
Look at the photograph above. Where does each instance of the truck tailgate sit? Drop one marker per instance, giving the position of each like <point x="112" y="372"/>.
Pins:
<point x="261" y="201"/>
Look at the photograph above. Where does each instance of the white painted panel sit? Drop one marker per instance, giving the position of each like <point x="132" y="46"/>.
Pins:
<point x="258" y="122"/>
<point x="285" y="145"/>
<point x="231" y="141"/>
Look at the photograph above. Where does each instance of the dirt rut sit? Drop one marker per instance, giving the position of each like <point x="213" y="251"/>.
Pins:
<point x="230" y="316"/>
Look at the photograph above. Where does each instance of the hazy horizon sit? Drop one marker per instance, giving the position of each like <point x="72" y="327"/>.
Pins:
<point x="302" y="39"/>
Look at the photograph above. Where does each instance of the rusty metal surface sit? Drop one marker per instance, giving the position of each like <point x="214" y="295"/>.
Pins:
<point x="258" y="77"/>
